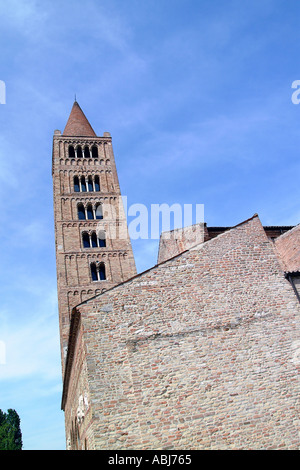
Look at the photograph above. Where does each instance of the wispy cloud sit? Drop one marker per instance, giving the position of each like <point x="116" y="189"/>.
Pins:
<point x="27" y="17"/>
<point x="31" y="340"/>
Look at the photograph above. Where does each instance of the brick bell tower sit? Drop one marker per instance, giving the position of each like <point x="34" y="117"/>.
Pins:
<point x="93" y="248"/>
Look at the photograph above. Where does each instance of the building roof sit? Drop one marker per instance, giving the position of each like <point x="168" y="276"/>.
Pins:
<point x="77" y="124"/>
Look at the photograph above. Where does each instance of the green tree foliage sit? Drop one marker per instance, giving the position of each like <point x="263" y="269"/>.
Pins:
<point x="10" y="431"/>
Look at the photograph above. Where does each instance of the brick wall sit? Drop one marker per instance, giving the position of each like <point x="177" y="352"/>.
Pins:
<point x="200" y="352"/>
<point x="81" y="415"/>
<point x="288" y="248"/>
<point x="176" y="241"/>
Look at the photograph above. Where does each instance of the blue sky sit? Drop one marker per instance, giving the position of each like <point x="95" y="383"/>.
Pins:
<point x="197" y="97"/>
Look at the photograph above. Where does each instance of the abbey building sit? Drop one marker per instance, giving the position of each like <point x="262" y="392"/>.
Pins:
<point x="202" y="351"/>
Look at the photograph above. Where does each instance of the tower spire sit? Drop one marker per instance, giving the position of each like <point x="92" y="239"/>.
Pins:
<point x="77" y="124"/>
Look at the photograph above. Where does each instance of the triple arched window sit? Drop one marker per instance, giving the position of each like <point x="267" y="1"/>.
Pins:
<point x="91" y="240"/>
<point x="83" y="152"/>
<point x="86" y="184"/>
<point x="98" y="271"/>
<point x="89" y="212"/>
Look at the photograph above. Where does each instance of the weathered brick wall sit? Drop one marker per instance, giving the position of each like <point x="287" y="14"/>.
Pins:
<point x="177" y="241"/>
<point x="79" y="413"/>
<point x="200" y="352"/>
<point x="288" y="248"/>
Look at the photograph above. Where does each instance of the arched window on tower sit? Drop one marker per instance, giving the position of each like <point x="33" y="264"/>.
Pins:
<point x="79" y="152"/>
<point x="101" y="239"/>
<point x="94" y="272"/>
<point x="86" y="240"/>
<point x="94" y="240"/>
<point x="94" y="151"/>
<point x="81" y="212"/>
<point x="102" y="274"/>
<point x="83" y="185"/>
<point x="98" y="272"/>
<point x="99" y="212"/>
<point x="97" y="183"/>
<point x="90" y="184"/>
<point x="71" y="151"/>
<point x="86" y="152"/>
<point x="90" y="213"/>
<point x="76" y="184"/>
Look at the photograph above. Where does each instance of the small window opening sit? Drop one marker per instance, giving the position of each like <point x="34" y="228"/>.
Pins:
<point x="94" y="240"/>
<point x="71" y="152"/>
<point x="90" y="184"/>
<point x="81" y="212"/>
<point x="76" y="184"/>
<point x="101" y="238"/>
<point x="94" y="272"/>
<point x="83" y="185"/>
<point x="99" y="213"/>
<point x="86" y="240"/>
<point x="90" y="213"/>
<point x="97" y="183"/>
<point x="79" y="152"/>
<point x="94" y="151"/>
<point x="86" y="152"/>
<point x="102" y="274"/>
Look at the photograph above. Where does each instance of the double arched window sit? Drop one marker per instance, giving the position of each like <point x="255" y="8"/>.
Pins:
<point x="98" y="271"/>
<point x="89" y="212"/>
<point x="91" y="240"/>
<point x="86" y="152"/>
<point x="86" y="184"/>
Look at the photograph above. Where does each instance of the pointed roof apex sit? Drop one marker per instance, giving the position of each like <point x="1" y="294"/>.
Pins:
<point x="78" y="125"/>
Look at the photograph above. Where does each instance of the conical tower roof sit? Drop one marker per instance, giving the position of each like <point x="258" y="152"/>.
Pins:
<point x="77" y="124"/>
